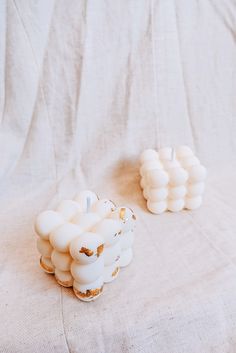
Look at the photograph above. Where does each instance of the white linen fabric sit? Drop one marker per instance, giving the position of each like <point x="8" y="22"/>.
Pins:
<point x="85" y="86"/>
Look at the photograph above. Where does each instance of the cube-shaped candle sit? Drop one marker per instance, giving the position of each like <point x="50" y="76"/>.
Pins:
<point x="172" y="179"/>
<point x="85" y="242"/>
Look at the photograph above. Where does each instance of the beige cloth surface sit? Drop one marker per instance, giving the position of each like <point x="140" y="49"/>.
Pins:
<point x="85" y="86"/>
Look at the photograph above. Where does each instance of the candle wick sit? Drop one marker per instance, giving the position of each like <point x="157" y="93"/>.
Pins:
<point x="88" y="204"/>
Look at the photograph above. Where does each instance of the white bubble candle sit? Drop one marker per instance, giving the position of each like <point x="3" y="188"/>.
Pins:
<point x="85" y="242"/>
<point x="172" y="179"/>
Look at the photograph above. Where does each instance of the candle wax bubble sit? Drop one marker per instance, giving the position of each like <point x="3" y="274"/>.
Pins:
<point x="148" y="154"/>
<point x="61" y="237"/>
<point x="89" y="291"/>
<point x="87" y="273"/>
<point x="193" y="202"/>
<point x="195" y="189"/>
<point x="126" y="257"/>
<point x="44" y="247"/>
<point x="175" y="205"/>
<point x="157" y="178"/>
<point x="46" y="222"/>
<point x="158" y="194"/>
<point x="64" y="278"/>
<point x="177" y="192"/>
<point x="87" y="248"/>
<point x="62" y="261"/>
<point x="157" y="207"/>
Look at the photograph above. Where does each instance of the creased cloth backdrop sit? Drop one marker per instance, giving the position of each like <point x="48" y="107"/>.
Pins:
<point x="85" y="86"/>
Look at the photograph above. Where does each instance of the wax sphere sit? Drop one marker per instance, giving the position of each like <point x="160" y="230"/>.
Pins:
<point x="89" y="291"/>
<point x="68" y="209"/>
<point x="62" y="261"/>
<point x="111" y="272"/>
<point x="197" y="173"/>
<point x="64" y="278"/>
<point x="46" y="264"/>
<point x="158" y="194"/>
<point x="44" y="247"/>
<point x="150" y="165"/>
<point x="146" y="192"/>
<point x="157" y="178"/>
<point x="157" y="207"/>
<point x="195" y="189"/>
<point x="189" y="161"/>
<point x="112" y="254"/>
<point x="127" y="240"/>
<point x="175" y="205"/>
<point x="169" y="164"/>
<point x="82" y="198"/>
<point x="126" y="216"/>
<point x="126" y="257"/>
<point x="193" y="202"/>
<point x="86" y="221"/>
<point x="86" y="248"/>
<point x="46" y="222"/>
<point x="178" y="176"/>
<point x="148" y="155"/>
<point x="183" y="151"/>
<point x="109" y="229"/>
<point x="103" y="207"/>
<point x="177" y="192"/>
<point x="165" y="153"/>
<point x="61" y="237"/>
<point x="87" y="273"/>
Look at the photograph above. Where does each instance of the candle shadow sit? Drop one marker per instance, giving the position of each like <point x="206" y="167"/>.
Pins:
<point x="126" y="179"/>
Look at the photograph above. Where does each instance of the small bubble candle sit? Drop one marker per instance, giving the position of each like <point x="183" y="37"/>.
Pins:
<point x="172" y="179"/>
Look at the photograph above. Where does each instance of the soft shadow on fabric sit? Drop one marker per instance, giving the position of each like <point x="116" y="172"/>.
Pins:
<point x="127" y="182"/>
